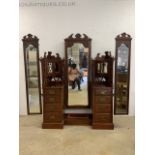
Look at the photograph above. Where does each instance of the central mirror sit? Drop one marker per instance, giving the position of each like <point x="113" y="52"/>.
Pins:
<point x="77" y="56"/>
<point x="77" y="52"/>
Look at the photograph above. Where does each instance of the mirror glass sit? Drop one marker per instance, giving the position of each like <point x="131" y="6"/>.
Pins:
<point x="32" y="79"/>
<point x="77" y="56"/>
<point x="121" y="100"/>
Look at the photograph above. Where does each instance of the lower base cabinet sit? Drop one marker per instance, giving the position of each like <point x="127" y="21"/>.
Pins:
<point x="53" y="98"/>
<point x="102" y="108"/>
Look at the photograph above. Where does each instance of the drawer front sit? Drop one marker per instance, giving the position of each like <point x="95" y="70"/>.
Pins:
<point x="103" y="108"/>
<point x="52" y="99"/>
<point x="52" y="117"/>
<point x="52" y="91"/>
<point x="103" y="91"/>
<point x="52" y="107"/>
<point x="103" y="100"/>
<point x="104" y="118"/>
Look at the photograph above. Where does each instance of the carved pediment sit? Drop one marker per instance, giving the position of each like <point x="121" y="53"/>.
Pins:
<point x="78" y="37"/>
<point x="30" y="37"/>
<point x="123" y="36"/>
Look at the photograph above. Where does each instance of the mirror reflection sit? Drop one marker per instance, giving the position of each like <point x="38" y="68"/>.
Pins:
<point x="32" y="79"/>
<point x="122" y="60"/>
<point x="77" y="75"/>
<point x="122" y="79"/>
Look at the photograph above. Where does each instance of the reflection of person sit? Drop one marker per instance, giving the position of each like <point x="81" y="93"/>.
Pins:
<point x="74" y="76"/>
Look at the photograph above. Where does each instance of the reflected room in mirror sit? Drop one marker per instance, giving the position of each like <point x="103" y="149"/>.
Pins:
<point x="77" y="52"/>
<point x="31" y="58"/>
<point x="77" y="75"/>
<point x="122" y="74"/>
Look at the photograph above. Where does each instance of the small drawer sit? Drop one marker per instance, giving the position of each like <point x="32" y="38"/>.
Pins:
<point x="52" y="91"/>
<point x="52" y="107"/>
<point x="52" y="99"/>
<point x="103" y="108"/>
<point x="103" y="91"/>
<point x="103" y="100"/>
<point x="52" y="117"/>
<point x="104" y="118"/>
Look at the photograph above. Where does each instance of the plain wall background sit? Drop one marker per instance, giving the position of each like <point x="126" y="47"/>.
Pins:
<point x="101" y="20"/>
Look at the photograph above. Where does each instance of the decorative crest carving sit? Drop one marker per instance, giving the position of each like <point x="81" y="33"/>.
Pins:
<point x="78" y="37"/>
<point x="123" y="36"/>
<point x="30" y="37"/>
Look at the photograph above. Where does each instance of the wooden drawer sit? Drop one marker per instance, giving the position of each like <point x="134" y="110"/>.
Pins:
<point x="52" y="107"/>
<point x="52" y="99"/>
<point x="53" y="117"/>
<point x="104" y="118"/>
<point x="103" y="108"/>
<point x="103" y="91"/>
<point x="50" y="91"/>
<point x="103" y="100"/>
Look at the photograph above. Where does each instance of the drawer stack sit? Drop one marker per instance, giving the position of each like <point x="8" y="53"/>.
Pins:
<point x="53" y="107"/>
<point x="102" y="108"/>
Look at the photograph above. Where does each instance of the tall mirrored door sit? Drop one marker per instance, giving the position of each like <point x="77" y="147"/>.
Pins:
<point x="32" y="77"/>
<point x="122" y="74"/>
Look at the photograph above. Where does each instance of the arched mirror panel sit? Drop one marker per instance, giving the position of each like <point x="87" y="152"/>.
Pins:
<point x="77" y="83"/>
<point x="32" y="74"/>
<point x="122" y="73"/>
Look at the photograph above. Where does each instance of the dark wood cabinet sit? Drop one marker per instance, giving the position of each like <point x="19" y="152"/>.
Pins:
<point x="102" y="92"/>
<point x="100" y="113"/>
<point x="53" y="107"/>
<point x="53" y="91"/>
<point x="102" y="108"/>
